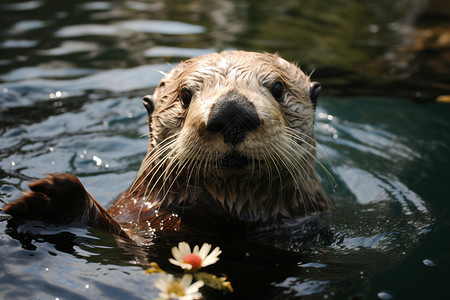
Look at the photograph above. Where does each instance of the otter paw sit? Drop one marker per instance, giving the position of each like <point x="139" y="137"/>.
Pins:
<point x="56" y="199"/>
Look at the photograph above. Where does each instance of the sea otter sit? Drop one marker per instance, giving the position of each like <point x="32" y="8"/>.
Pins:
<point x="231" y="145"/>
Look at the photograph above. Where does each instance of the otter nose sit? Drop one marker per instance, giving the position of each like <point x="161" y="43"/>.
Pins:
<point x="233" y="116"/>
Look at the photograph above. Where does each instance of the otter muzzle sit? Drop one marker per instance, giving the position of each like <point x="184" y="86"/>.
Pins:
<point x="233" y="116"/>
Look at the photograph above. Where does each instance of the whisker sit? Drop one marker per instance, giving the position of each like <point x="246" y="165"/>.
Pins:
<point x="296" y="136"/>
<point x="149" y="159"/>
<point x="297" y="165"/>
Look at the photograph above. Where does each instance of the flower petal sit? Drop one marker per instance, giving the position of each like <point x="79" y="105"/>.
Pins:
<point x="195" y="250"/>
<point x="184" y="248"/>
<point x="176" y="253"/>
<point x="209" y="261"/>
<point x="163" y="296"/>
<point x="162" y="282"/>
<point x="193" y="296"/>
<point x="186" y="280"/>
<point x="212" y="257"/>
<point x="204" y="250"/>
<point x="194" y="287"/>
<point x="180" y="264"/>
<point x="216" y="252"/>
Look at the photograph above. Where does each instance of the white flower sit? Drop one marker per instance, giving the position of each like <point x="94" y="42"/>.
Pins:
<point x="196" y="259"/>
<point x="182" y="289"/>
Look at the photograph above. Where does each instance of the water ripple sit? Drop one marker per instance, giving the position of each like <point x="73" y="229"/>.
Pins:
<point x="162" y="27"/>
<point x="24" y="26"/>
<point x="25" y="73"/>
<point x="87" y="30"/>
<point x="162" y="51"/>
<point x="117" y="80"/>
<point x="120" y="29"/>
<point x="29" y="5"/>
<point x="18" y="44"/>
<point x="69" y="47"/>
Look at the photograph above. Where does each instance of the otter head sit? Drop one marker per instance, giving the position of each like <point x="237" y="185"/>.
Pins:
<point x="233" y="132"/>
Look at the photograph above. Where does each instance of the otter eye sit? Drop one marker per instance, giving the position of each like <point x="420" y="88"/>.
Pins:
<point x="278" y="91"/>
<point x="186" y="97"/>
<point x="314" y="91"/>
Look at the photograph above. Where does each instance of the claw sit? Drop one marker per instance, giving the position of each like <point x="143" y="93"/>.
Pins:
<point x="61" y="199"/>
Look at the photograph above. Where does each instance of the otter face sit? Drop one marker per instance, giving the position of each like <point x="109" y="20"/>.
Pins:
<point x="233" y="109"/>
<point x="233" y="115"/>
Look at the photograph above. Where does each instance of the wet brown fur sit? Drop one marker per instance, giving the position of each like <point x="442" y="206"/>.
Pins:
<point x="180" y="180"/>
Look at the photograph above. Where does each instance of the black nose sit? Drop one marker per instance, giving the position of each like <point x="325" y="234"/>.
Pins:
<point x="233" y="116"/>
<point x="148" y="104"/>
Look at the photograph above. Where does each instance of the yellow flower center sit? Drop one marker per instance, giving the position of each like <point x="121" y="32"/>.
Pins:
<point x="194" y="260"/>
<point x="175" y="287"/>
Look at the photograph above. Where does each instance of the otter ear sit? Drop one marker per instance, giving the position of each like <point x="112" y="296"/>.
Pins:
<point x="148" y="104"/>
<point x="314" y="91"/>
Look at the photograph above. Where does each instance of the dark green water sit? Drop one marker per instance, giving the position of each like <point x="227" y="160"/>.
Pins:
<point x="72" y="74"/>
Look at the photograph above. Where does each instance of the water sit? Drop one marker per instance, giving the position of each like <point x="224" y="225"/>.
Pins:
<point x="72" y="77"/>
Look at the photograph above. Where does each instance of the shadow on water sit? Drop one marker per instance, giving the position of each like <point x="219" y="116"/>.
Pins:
<point x="72" y="74"/>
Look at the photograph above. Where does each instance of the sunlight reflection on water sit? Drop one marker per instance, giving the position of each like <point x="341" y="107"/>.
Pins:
<point x="73" y="76"/>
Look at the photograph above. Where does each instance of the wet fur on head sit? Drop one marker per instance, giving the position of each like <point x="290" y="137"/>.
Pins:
<point x="186" y="166"/>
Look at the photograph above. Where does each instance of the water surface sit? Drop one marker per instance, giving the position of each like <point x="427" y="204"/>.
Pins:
<point x="72" y="75"/>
